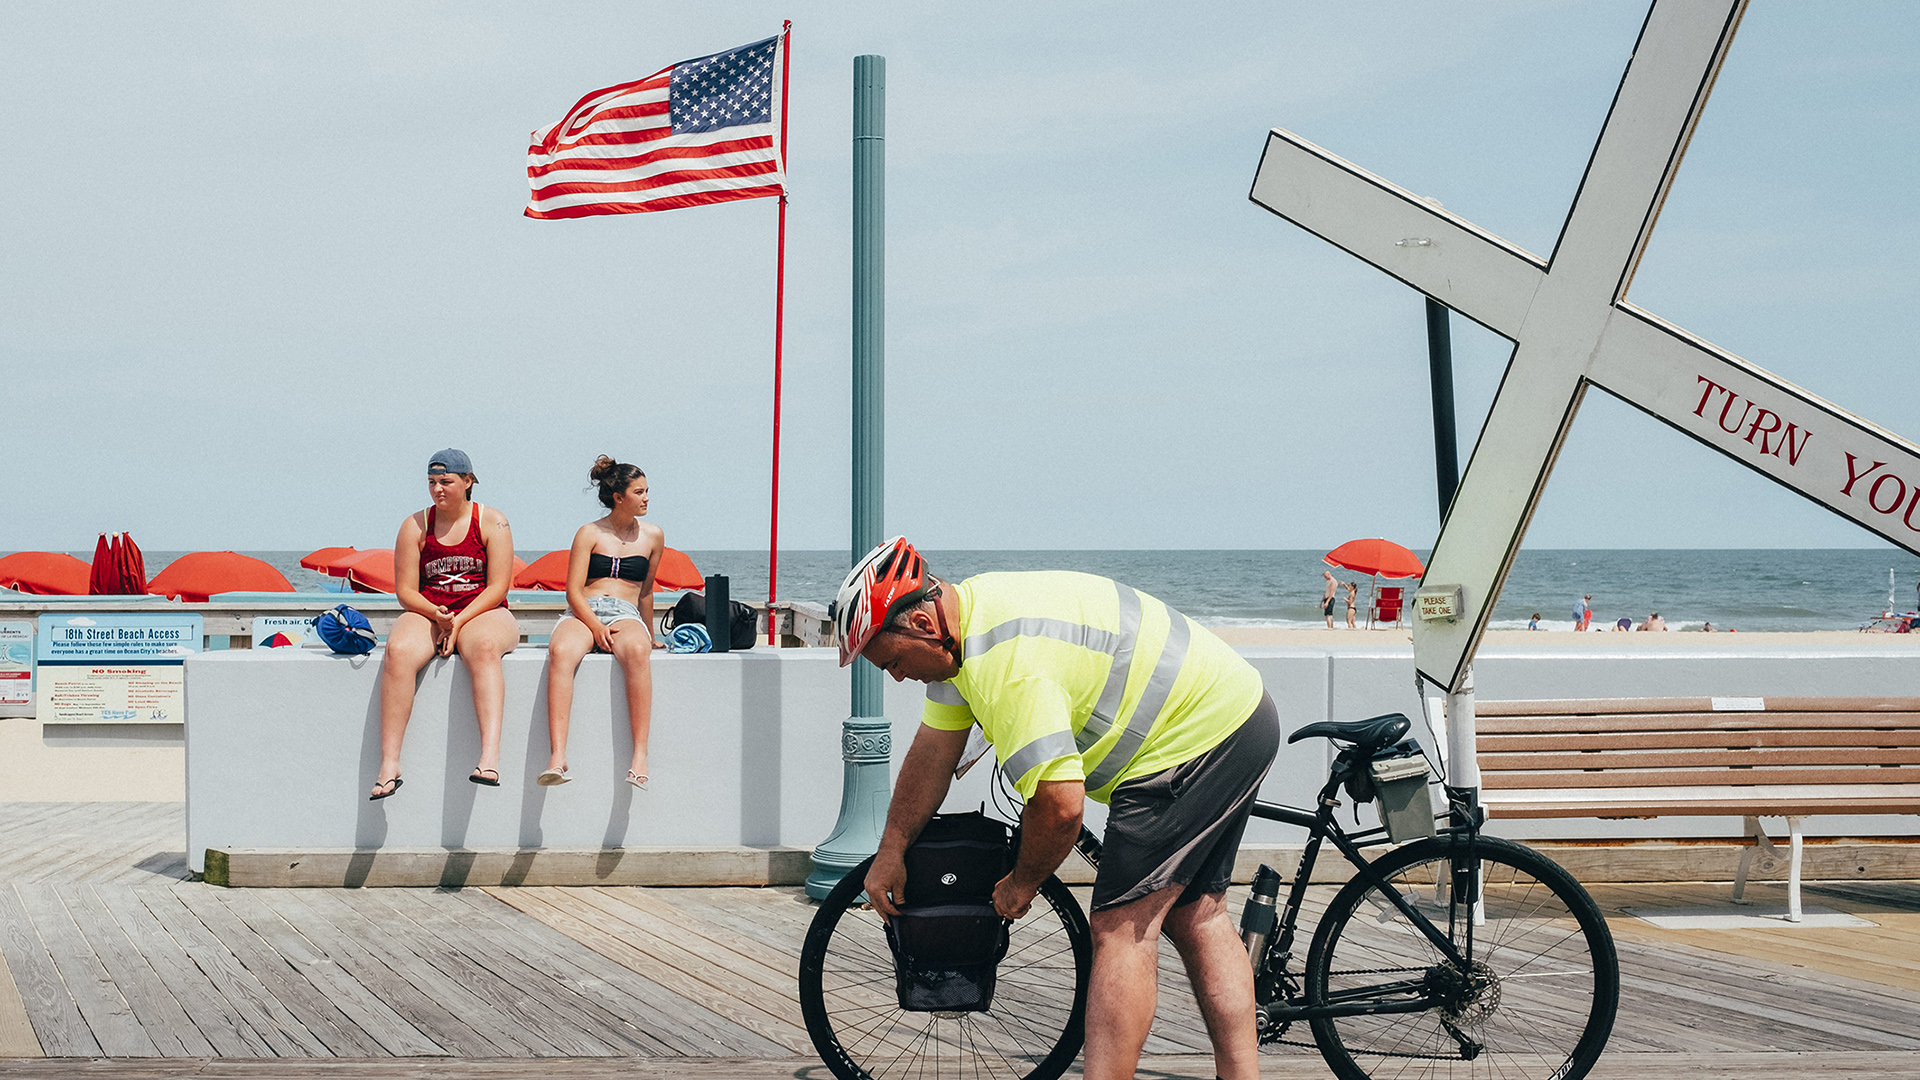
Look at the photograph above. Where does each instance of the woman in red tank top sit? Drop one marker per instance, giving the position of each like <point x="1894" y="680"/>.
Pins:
<point x="452" y="565"/>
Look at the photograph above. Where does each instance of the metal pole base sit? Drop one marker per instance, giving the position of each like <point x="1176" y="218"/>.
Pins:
<point x="866" y="747"/>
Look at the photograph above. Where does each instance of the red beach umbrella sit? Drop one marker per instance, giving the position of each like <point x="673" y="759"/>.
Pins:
<point x="369" y="571"/>
<point x="1383" y="558"/>
<point x="115" y="575"/>
<point x="133" y="567"/>
<point x="676" y="572"/>
<point x="195" y="577"/>
<point x="98" y="582"/>
<point x="44" y="573"/>
<point x="327" y="559"/>
<point x="549" y="571"/>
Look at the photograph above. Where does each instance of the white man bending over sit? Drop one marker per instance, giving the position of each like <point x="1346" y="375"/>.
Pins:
<point x="1086" y="689"/>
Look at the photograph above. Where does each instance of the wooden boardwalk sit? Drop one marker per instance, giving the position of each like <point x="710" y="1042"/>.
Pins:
<point x="108" y="951"/>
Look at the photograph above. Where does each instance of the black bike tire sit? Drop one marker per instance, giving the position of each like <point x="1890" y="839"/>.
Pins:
<point x="813" y="1005"/>
<point x="1586" y="914"/>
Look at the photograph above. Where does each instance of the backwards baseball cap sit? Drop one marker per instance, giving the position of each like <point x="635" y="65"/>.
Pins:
<point x="449" y="461"/>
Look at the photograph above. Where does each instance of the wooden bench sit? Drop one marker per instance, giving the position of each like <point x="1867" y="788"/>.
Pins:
<point x="1790" y="757"/>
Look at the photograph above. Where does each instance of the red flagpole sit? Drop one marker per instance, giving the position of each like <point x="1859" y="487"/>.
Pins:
<point x="779" y="325"/>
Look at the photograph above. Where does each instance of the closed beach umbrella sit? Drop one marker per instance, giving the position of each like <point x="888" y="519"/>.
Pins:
<point x="327" y="559"/>
<point x="44" y="573"/>
<point x="549" y="571"/>
<point x="99" y="577"/>
<point x="115" y="577"/>
<point x="195" y="577"/>
<point x="133" y="567"/>
<point x="1382" y="558"/>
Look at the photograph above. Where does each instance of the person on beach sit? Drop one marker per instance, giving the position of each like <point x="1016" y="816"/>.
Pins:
<point x="1353" y="590"/>
<point x="1706" y="628"/>
<point x="1326" y="596"/>
<point x="1623" y="625"/>
<point x="1085" y="688"/>
<point x="609" y="609"/>
<point x="1583" y="612"/>
<point x="1654" y="622"/>
<point x="452" y="563"/>
<point x="1534" y="623"/>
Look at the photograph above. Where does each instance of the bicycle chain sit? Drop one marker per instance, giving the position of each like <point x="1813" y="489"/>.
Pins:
<point x="1376" y="1053"/>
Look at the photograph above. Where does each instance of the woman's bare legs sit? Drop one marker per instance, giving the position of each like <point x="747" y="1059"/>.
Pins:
<point x="633" y="650"/>
<point x="409" y="647"/>
<point x="482" y="642"/>
<point x="570" y="642"/>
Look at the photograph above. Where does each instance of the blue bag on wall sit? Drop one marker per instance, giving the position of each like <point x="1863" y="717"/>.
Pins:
<point x="345" y="630"/>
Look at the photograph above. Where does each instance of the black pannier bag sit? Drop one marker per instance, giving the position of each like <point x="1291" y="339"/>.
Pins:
<point x="948" y="940"/>
<point x="692" y="608"/>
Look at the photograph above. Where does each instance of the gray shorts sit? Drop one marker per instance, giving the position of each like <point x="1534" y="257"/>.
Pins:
<point x="1182" y="826"/>
<point x="609" y="610"/>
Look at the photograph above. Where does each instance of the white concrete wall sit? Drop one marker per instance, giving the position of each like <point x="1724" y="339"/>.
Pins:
<point x="282" y="745"/>
<point x="90" y="762"/>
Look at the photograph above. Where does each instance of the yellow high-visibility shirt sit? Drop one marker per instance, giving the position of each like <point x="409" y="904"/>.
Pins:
<point x="1077" y="677"/>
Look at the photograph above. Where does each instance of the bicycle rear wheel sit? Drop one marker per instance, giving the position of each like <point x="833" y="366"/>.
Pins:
<point x="1032" y="1032"/>
<point x="1538" y="1000"/>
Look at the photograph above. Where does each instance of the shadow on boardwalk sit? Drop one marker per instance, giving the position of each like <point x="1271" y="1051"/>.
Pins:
<point x="111" y="953"/>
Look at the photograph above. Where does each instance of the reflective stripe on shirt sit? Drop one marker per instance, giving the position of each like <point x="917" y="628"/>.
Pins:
<point x="1100" y="721"/>
<point x="1046" y="748"/>
<point x="1146" y="712"/>
<point x="945" y="693"/>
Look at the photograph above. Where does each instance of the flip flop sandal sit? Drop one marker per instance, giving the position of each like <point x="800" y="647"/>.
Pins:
<point x="479" y="777"/>
<point x="396" y="782"/>
<point x="637" y="779"/>
<point x="553" y="778"/>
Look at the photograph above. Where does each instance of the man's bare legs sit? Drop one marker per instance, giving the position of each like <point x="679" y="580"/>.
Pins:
<point x="1222" y="977"/>
<point x="1125" y="986"/>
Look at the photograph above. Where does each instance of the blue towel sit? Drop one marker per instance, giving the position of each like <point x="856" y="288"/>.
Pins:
<point x="689" y="637"/>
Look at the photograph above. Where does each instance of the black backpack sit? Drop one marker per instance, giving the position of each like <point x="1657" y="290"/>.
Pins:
<point x="948" y="940"/>
<point x="692" y="608"/>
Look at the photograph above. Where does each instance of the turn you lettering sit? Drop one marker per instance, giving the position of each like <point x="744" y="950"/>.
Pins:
<point x="1764" y="428"/>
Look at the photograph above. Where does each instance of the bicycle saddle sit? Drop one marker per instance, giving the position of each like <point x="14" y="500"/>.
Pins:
<point x="1370" y="734"/>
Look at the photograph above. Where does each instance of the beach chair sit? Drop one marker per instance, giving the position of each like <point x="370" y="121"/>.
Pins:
<point x="1389" y="603"/>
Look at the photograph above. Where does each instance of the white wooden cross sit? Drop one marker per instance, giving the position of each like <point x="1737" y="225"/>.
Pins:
<point x="1573" y="328"/>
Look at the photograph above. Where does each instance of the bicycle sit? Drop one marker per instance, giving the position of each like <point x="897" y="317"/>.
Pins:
<point x="1456" y="953"/>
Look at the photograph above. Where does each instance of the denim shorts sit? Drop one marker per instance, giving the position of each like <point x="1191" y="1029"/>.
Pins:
<point x="609" y="610"/>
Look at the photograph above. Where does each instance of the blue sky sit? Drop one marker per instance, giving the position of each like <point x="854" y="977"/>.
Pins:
<point x="261" y="260"/>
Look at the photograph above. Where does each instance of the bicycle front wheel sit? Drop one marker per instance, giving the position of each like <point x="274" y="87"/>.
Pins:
<point x="1032" y="1032"/>
<point x="1537" y="998"/>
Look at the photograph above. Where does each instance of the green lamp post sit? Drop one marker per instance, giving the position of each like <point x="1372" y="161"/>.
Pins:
<point x="866" y="739"/>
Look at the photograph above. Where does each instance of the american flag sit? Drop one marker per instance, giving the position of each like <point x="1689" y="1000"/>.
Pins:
<point x="701" y="131"/>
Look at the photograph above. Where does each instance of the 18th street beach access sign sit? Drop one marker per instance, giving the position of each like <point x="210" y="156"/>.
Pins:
<point x="1572" y="328"/>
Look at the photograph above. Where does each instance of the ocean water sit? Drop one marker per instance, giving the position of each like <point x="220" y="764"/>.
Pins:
<point x="1752" y="590"/>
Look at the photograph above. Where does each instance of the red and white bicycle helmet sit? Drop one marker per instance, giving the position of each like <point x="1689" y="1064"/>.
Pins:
<point x="890" y="578"/>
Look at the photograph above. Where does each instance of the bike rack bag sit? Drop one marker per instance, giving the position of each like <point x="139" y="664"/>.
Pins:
<point x="1400" y="775"/>
<point x="948" y="940"/>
